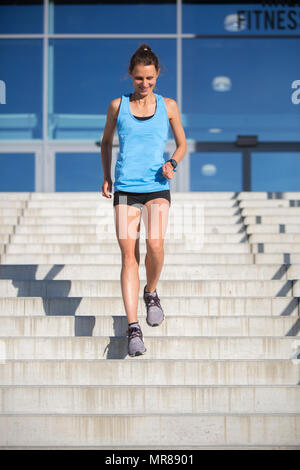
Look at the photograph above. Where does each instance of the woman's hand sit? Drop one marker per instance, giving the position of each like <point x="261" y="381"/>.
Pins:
<point x="167" y="170"/>
<point x="107" y="188"/>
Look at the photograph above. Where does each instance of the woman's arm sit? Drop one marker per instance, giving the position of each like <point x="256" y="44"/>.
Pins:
<point x="179" y="136"/>
<point x="106" y="145"/>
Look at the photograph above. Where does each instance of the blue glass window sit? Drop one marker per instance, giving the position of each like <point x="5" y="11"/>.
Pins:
<point x="213" y="171"/>
<point x="240" y="19"/>
<point x="137" y="17"/>
<point x="275" y="172"/>
<point x="241" y="86"/>
<point x="21" y="17"/>
<point x="78" y="172"/>
<point x="17" y="172"/>
<point x="21" y="89"/>
<point x="85" y="75"/>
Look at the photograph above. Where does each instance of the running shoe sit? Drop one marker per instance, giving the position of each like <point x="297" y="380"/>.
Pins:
<point x="155" y="314"/>
<point x="136" y="345"/>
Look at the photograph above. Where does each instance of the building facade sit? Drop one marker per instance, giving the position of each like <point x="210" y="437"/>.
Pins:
<point x="233" y="68"/>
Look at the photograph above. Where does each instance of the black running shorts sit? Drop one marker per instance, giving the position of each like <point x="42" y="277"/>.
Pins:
<point x="139" y="199"/>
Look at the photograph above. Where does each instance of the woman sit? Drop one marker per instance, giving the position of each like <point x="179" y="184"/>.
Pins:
<point x="141" y="184"/>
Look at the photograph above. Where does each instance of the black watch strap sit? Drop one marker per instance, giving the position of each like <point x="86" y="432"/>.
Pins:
<point x="173" y="162"/>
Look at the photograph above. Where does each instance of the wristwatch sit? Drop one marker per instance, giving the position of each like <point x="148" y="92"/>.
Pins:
<point x="173" y="163"/>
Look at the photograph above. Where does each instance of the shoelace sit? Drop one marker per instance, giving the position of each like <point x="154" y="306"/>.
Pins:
<point x="150" y="301"/>
<point x="134" y="332"/>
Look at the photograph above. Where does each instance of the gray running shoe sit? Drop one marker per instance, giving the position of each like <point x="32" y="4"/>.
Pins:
<point x="136" y="345"/>
<point x="155" y="314"/>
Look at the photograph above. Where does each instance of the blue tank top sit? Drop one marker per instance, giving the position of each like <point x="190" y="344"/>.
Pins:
<point x="142" y="143"/>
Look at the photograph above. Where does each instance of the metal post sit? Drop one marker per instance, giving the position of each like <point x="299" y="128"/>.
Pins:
<point x="246" y="169"/>
<point x="45" y="94"/>
<point x="48" y="162"/>
<point x="38" y="173"/>
<point x="179" y="54"/>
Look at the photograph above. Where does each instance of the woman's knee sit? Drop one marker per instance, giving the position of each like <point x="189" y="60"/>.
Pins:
<point x="130" y="262"/>
<point x="130" y="257"/>
<point x="155" y="246"/>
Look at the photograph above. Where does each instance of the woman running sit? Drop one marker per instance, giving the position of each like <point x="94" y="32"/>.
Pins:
<point x="141" y="185"/>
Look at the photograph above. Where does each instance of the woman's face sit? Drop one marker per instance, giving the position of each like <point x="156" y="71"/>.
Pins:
<point x="144" y="78"/>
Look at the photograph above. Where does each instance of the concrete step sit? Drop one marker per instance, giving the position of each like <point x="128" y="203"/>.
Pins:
<point x="10" y="211"/>
<point x="260" y="195"/>
<point x="92" y="230"/>
<point x="179" y="305"/>
<point x="271" y="258"/>
<point x="14" y="196"/>
<point x="212" y="243"/>
<point x="158" y="347"/>
<point x="181" y="245"/>
<point x="116" y="325"/>
<point x="190" y="257"/>
<point x="170" y="270"/>
<point x="179" y="195"/>
<point x="269" y="203"/>
<point x="12" y="204"/>
<point x="200" y="258"/>
<point x="149" y="400"/>
<point x="42" y="326"/>
<point x="183" y="429"/>
<point x="210" y="208"/>
<point x="286" y="238"/>
<point x="271" y="211"/>
<point x="271" y="219"/>
<point x="271" y="228"/>
<point x="109" y="246"/>
<point x="111" y="287"/>
<point x="6" y="229"/>
<point x="202" y="195"/>
<point x="94" y="208"/>
<point x="208" y="217"/>
<point x="96" y="195"/>
<point x="276" y="247"/>
<point x="107" y="236"/>
<point x="150" y="372"/>
<point x="101" y="236"/>
<point x="184" y="241"/>
<point x="9" y="220"/>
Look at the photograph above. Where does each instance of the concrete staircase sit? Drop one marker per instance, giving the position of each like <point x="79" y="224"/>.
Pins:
<point x="221" y="372"/>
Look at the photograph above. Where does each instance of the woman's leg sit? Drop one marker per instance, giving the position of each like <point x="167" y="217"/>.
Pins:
<point x="127" y="223"/>
<point x="155" y="217"/>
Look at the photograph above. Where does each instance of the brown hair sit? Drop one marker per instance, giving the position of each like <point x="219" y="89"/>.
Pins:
<point x="144" y="55"/>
